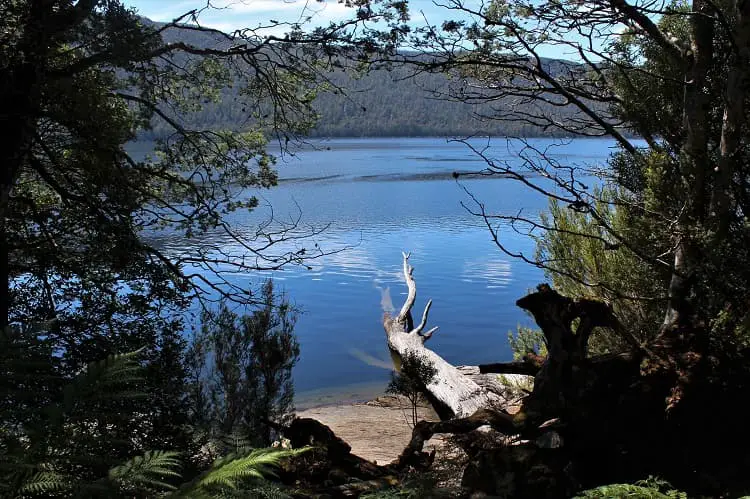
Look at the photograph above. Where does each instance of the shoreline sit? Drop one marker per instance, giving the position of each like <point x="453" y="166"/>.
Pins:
<point x="377" y="430"/>
<point x="353" y="394"/>
<point x="377" y="426"/>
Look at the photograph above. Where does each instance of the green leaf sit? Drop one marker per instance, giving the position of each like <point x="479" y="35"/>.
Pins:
<point x="147" y="471"/>
<point x="230" y="471"/>
<point x="45" y="482"/>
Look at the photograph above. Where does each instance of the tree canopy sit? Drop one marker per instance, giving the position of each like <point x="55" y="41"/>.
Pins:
<point x="674" y="74"/>
<point x="647" y="320"/>
<point x="84" y="276"/>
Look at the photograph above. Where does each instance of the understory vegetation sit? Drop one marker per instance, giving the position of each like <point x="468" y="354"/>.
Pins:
<point x="410" y="381"/>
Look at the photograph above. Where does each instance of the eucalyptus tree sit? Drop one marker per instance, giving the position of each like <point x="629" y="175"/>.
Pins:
<point x="82" y="79"/>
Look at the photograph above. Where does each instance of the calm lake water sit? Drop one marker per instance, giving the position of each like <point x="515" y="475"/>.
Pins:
<point x="383" y="196"/>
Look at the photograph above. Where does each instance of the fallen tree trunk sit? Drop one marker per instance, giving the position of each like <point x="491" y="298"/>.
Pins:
<point x="424" y="430"/>
<point x="524" y="367"/>
<point x="451" y="393"/>
<point x="657" y="409"/>
<point x="507" y="386"/>
<point x="566" y="424"/>
<point x="565" y="376"/>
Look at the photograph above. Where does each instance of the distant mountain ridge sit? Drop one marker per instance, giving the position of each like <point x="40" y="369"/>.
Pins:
<point x="382" y="103"/>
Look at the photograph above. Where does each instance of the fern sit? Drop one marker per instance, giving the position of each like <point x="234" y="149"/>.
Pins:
<point x="106" y="378"/>
<point x="651" y="488"/>
<point x="29" y="466"/>
<point x="232" y="470"/>
<point x="236" y="443"/>
<point x="37" y="455"/>
<point x="45" y="483"/>
<point x="147" y="471"/>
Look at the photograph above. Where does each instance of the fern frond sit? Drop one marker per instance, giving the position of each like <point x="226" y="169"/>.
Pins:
<point x="45" y="483"/>
<point x="228" y="472"/>
<point x="236" y="443"/>
<point x="624" y="490"/>
<point x="115" y="369"/>
<point x="103" y="377"/>
<point x="147" y="471"/>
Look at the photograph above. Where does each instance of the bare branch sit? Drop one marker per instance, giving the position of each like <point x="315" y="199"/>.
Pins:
<point x="404" y="316"/>
<point x="423" y="323"/>
<point x="450" y="392"/>
<point x="653" y="31"/>
<point x="426" y="336"/>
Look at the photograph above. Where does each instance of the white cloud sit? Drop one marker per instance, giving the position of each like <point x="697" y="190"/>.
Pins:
<point x="229" y="15"/>
<point x="298" y="7"/>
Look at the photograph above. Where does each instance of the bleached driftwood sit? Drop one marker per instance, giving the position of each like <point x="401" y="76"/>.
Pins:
<point x="453" y="394"/>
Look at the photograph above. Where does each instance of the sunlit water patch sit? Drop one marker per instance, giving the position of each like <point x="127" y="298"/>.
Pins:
<point x="410" y="202"/>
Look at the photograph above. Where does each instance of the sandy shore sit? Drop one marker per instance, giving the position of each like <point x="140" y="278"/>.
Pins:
<point x="380" y="429"/>
<point x="377" y="430"/>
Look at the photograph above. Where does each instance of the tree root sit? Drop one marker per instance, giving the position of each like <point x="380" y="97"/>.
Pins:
<point x="424" y="430"/>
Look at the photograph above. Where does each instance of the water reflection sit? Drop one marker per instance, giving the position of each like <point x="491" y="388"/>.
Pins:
<point x="495" y="272"/>
<point x="409" y="202"/>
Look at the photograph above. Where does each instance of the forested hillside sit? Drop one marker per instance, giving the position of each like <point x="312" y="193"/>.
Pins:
<point x="391" y="101"/>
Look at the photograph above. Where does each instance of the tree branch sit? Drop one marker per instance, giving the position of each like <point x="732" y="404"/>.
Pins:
<point x="424" y="430"/>
<point x="526" y="367"/>
<point x="426" y="336"/>
<point x="404" y="315"/>
<point x="653" y="31"/>
<point x="423" y="323"/>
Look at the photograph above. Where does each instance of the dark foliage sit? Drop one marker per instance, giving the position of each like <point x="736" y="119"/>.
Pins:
<point x="414" y="374"/>
<point x="241" y="369"/>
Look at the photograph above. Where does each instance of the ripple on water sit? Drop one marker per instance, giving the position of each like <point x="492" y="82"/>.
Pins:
<point x="473" y="285"/>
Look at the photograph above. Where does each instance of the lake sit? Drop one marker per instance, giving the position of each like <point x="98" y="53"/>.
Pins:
<point x="379" y="197"/>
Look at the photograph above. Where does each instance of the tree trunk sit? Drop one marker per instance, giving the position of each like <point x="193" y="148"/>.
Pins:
<point x="451" y="392"/>
<point x="733" y="121"/>
<point x="562" y="378"/>
<point x="19" y="101"/>
<point x="694" y="159"/>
